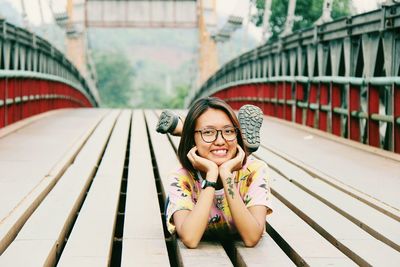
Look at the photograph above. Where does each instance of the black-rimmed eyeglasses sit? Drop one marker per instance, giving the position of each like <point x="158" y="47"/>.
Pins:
<point x="209" y="135"/>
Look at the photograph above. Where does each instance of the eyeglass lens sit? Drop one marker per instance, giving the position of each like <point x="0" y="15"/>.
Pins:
<point x="210" y="135"/>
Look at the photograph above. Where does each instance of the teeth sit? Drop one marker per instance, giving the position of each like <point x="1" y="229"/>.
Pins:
<point x="219" y="152"/>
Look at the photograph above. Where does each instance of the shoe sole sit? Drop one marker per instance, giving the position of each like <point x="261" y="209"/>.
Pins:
<point x="167" y="122"/>
<point x="250" y="119"/>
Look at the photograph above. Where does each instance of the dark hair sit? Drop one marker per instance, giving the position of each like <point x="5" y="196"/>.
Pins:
<point x="195" y="111"/>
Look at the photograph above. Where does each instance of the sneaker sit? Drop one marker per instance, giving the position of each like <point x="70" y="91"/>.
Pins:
<point x="167" y="122"/>
<point x="250" y="119"/>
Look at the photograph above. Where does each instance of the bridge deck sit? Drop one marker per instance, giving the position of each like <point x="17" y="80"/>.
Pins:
<point x="369" y="172"/>
<point x="334" y="201"/>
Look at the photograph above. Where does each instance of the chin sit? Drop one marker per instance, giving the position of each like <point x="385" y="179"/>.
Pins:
<point x="219" y="162"/>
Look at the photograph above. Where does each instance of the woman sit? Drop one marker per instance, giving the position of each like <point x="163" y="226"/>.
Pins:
<point x="218" y="188"/>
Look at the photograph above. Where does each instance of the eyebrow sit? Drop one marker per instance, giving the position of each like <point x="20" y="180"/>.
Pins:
<point x="212" y="126"/>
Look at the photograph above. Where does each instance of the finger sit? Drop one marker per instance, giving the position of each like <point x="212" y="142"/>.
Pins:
<point x="193" y="149"/>
<point x="240" y="151"/>
<point x="190" y="156"/>
<point x="241" y="154"/>
<point x="196" y="156"/>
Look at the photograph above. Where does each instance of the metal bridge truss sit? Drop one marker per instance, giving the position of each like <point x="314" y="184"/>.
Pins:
<point x="341" y="77"/>
<point x="35" y="77"/>
<point x="153" y="14"/>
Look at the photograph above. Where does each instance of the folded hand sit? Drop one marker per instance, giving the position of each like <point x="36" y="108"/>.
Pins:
<point x="233" y="164"/>
<point x="202" y="164"/>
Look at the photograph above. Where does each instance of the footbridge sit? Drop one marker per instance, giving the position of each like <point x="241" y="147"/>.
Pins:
<point x="82" y="185"/>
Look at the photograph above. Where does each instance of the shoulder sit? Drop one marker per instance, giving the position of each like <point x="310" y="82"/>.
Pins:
<point x="182" y="174"/>
<point x="182" y="184"/>
<point x="254" y="169"/>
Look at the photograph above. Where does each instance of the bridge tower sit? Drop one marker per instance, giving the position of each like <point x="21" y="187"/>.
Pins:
<point x="208" y="58"/>
<point x="76" y="41"/>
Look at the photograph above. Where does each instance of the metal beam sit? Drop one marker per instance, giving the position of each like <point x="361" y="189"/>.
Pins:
<point x="143" y="14"/>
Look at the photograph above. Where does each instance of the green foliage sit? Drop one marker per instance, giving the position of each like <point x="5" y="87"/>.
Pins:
<point x="341" y="8"/>
<point x="162" y="58"/>
<point x="307" y="12"/>
<point x="153" y="96"/>
<point x="119" y="86"/>
<point x="114" y="79"/>
<point x="177" y="101"/>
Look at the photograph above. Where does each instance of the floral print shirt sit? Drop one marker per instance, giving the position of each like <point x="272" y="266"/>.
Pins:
<point x="253" y="184"/>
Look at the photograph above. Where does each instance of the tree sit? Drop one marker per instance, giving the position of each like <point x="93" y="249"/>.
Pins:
<point x="153" y="96"/>
<point x="115" y="75"/>
<point x="307" y="12"/>
<point x="177" y="101"/>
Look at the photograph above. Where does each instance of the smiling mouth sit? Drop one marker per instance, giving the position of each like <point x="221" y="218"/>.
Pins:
<point x="219" y="152"/>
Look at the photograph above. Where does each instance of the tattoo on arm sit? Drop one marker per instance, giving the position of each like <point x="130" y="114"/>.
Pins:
<point x="230" y="187"/>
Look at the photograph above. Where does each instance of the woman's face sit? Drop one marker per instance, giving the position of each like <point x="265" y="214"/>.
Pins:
<point x="220" y="150"/>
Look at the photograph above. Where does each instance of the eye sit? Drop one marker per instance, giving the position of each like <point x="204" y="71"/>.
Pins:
<point x="208" y="132"/>
<point x="229" y="131"/>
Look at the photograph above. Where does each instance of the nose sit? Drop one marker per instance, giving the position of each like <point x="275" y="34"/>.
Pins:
<point x="220" y="139"/>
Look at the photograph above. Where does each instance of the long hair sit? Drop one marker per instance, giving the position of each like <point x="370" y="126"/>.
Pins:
<point x="196" y="110"/>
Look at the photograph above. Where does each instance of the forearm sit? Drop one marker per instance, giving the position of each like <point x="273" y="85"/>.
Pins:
<point x="247" y="225"/>
<point x="195" y="223"/>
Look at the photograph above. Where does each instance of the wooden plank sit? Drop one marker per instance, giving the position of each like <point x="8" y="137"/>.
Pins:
<point x="205" y="251"/>
<point x="337" y="139"/>
<point x="40" y="240"/>
<point x="144" y="252"/>
<point x="90" y="241"/>
<point x="374" y="222"/>
<point x="33" y="159"/>
<point x="166" y="164"/>
<point x="167" y="161"/>
<point x="369" y="176"/>
<point x="349" y="238"/>
<point x="16" y="126"/>
<point x="143" y="241"/>
<point x="301" y="241"/>
<point x="266" y="253"/>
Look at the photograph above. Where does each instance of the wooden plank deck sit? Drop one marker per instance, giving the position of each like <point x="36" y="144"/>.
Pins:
<point x="143" y="238"/>
<point x="68" y="177"/>
<point x="91" y="239"/>
<point x="33" y="158"/>
<point x="61" y="203"/>
<point x="371" y="172"/>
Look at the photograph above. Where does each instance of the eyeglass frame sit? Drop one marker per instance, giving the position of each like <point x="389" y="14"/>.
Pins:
<point x="216" y="136"/>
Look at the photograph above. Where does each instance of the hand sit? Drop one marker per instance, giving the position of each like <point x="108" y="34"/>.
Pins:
<point x="233" y="164"/>
<point x="203" y="165"/>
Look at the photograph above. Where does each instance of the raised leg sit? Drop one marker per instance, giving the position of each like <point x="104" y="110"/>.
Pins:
<point x="251" y="118"/>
